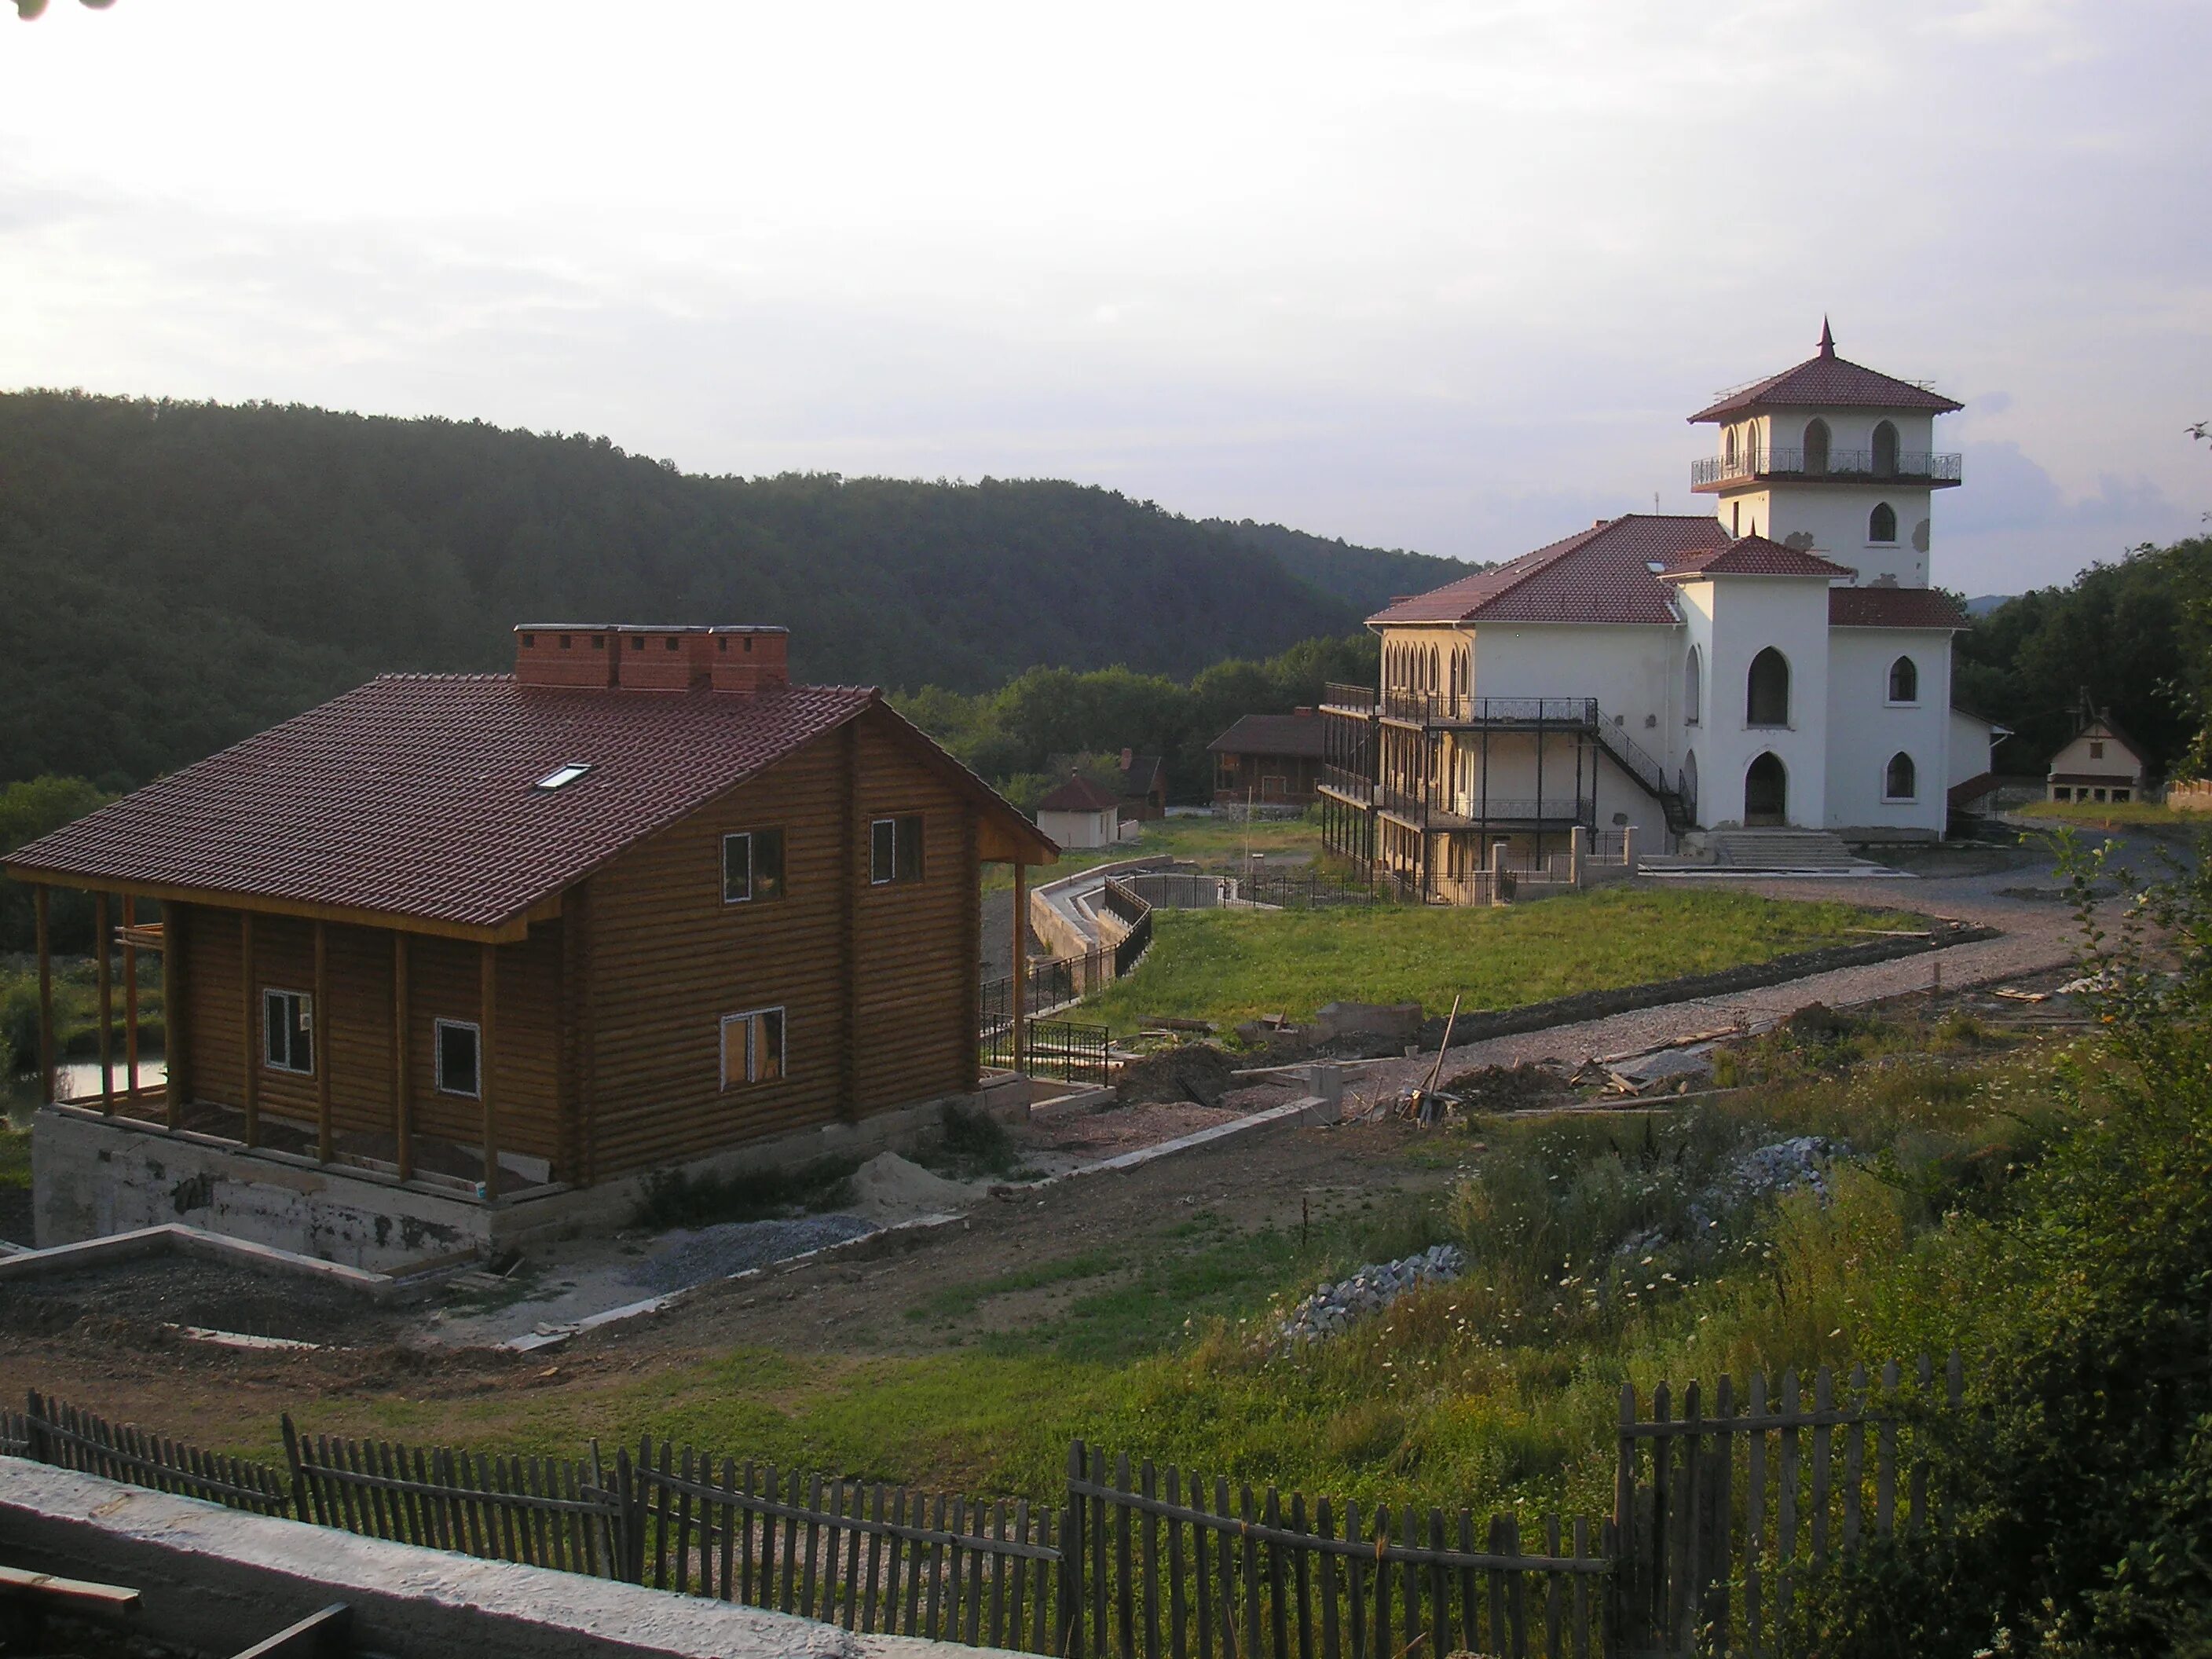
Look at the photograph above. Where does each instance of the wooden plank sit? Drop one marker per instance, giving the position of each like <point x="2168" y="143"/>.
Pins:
<point x="42" y="926"/>
<point x="249" y="1029"/>
<point x="1754" y="1520"/>
<point x="1785" y="1537"/>
<point x="129" y="1003"/>
<point x="176" y="1012"/>
<point x="853" y="871"/>
<point x="488" y="1070"/>
<point x="53" y="1594"/>
<point x="325" y="1634"/>
<point x="319" y="1044"/>
<point x="104" y="949"/>
<point x="402" y="1080"/>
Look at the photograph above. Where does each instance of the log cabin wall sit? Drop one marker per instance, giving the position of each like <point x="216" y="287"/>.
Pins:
<point x="669" y="959"/>
<point x="353" y="1035"/>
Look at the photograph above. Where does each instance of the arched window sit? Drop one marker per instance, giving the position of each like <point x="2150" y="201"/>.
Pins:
<point x="1816" y="445"/>
<point x="1766" y="791"/>
<point x="1730" y="451"/>
<point x="1767" y="691"/>
<point x="1904" y="681"/>
<point x="1884" y="450"/>
<point x="1686" y="781"/>
<point x="1881" y="523"/>
<point x="1691" y="669"/>
<point x="1900" y="780"/>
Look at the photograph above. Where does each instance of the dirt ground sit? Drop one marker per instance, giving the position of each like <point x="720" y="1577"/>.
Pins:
<point x="104" y="1345"/>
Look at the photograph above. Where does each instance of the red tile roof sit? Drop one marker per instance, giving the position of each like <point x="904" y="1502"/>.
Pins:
<point x="1754" y="556"/>
<point x="1080" y="794"/>
<point x="1825" y="380"/>
<point x="1272" y="734"/>
<point x="1892" y="607"/>
<point x="1601" y="575"/>
<point x="416" y="795"/>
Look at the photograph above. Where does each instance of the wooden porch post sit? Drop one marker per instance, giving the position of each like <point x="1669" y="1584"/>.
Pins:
<point x="39" y="903"/>
<point x="250" y="1089"/>
<point x="1020" y="984"/>
<point x="177" y="1042"/>
<point x="101" y="943"/>
<point x="402" y="1083"/>
<point x="320" y="1041"/>
<point x="488" y="1069"/>
<point x="130" y="1002"/>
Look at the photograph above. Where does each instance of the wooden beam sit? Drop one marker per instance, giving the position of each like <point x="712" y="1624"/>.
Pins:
<point x="588" y="1039"/>
<point x="567" y="1048"/>
<point x="105" y="969"/>
<point x="249" y="1090"/>
<point x="971" y="940"/>
<point x="402" y="1079"/>
<point x="318" y="1041"/>
<point x="39" y="905"/>
<point x="1019" y="984"/>
<point x="853" y="872"/>
<point x="488" y="1068"/>
<point x="176" y="1011"/>
<point x="323" y="1635"/>
<point x="73" y="1596"/>
<point x="130" y="1002"/>
<point x="512" y="930"/>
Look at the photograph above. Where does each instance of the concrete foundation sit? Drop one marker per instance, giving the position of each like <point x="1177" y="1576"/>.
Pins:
<point x="93" y="1175"/>
<point x="217" y="1580"/>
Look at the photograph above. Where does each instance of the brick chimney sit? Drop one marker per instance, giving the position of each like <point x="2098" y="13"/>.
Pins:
<point x="565" y="654"/>
<point x="748" y="660"/>
<point x="671" y="658"/>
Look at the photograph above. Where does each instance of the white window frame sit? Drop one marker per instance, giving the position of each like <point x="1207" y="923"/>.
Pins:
<point x="751" y="837"/>
<point x="1888" y="799"/>
<point x="438" y="1029"/>
<point x="893" y="879"/>
<point x="752" y="1017"/>
<point x="307" y="1001"/>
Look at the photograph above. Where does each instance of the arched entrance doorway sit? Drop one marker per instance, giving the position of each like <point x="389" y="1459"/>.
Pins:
<point x="1766" y="792"/>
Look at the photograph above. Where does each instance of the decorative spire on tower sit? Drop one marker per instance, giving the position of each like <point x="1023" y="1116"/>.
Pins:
<point x="1827" y="339"/>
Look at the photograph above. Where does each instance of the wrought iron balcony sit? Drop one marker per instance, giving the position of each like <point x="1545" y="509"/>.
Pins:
<point x="1434" y="708"/>
<point x="1351" y="699"/>
<point x="1352" y="786"/>
<point x="1922" y="468"/>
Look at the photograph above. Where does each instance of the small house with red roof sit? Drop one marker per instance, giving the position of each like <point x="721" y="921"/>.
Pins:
<point x="1781" y="665"/>
<point x="454" y="960"/>
<point x="1082" y="812"/>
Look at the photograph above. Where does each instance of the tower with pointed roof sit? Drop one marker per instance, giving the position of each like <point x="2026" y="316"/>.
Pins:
<point x="1834" y="457"/>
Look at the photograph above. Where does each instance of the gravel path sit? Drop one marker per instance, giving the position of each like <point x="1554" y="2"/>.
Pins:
<point x="2034" y="935"/>
<point x="733" y="1246"/>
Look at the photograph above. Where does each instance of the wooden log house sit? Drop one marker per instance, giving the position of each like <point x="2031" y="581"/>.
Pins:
<point x="641" y="901"/>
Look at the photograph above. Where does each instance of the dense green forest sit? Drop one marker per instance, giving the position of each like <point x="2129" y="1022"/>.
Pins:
<point x="2136" y="637"/>
<point x="180" y="575"/>
<point x="1368" y="577"/>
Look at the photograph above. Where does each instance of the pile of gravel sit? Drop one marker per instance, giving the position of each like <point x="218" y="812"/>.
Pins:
<point x="1332" y="1307"/>
<point x="694" y="1258"/>
<point x="1784" y="1166"/>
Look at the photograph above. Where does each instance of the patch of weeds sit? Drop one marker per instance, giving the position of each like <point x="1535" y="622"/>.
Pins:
<point x="673" y="1198"/>
<point x="957" y="1301"/>
<point x="971" y="1144"/>
<point x="15" y="1156"/>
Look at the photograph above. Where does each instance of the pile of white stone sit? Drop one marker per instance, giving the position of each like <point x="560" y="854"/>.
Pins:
<point x="1332" y="1307"/>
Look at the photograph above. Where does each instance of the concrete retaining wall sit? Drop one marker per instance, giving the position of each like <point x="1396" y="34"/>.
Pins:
<point x="219" y="1580"/>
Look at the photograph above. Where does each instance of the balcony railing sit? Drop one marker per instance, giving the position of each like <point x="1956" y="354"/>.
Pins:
<point x="1342" y="781"/>
<point x="1475" y="810"/>
<point x="1850" y="465"/>
<point x="1433" y="708"/>
<point x="1359" y="698"/>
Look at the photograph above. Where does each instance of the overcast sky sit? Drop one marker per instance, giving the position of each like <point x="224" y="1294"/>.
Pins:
<point x="1439" y="276"/>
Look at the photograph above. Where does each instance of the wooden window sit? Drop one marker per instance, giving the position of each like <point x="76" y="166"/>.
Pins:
<point x="752" y="1048"/>
<point x="1900" y="782"/>
<point x="752" y="867"/>
<point x="459" y="1051"/>
<point x="2096" y="749"/>
<point x="1904" y="680"/>
<point x="894" y="850"/>
<point x="288" y="1032"/>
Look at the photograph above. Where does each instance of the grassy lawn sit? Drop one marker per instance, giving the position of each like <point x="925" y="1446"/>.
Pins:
<point x="1499" y="1389"/>
<point x="2112" y="815"/>
<point x="1229" y="966"/>
<point x="1215" y="841"/>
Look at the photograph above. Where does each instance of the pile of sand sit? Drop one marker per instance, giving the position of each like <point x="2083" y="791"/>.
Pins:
<point x="889" y="1188"/>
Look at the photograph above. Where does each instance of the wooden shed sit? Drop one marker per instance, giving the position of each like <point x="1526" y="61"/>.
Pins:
<point x="639" y="901"/>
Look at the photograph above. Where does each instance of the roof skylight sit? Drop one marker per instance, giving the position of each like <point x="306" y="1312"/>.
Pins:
<point x="562" y="776"/>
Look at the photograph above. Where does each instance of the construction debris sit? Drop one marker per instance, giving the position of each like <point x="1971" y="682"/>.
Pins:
<point x="1332" y="1307"/>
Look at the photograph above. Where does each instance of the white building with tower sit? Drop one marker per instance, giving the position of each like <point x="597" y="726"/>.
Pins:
<point x="1780" y="666"/>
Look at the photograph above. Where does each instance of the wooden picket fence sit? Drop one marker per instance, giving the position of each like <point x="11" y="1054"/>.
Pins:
<point x="61" y="1435"/>
<point x="1729" y="1510"/>
<point x="1268" y="1579"/>
<point x="872" y="1559"/>
<point x="541" y="1511"/>
<point x="1718" y="1515"/>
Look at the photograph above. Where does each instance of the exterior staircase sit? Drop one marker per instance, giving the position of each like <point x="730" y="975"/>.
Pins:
<point x="1779" y="849"/>
<point x="1631" y="758"/>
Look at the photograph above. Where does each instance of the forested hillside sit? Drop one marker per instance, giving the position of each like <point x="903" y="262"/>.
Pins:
<point x="1369" y="577"/>
<point x="180" y="574"/>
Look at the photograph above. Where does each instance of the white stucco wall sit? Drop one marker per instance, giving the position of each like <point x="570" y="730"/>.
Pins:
<point x="1865" y="729"/>
<point x="1626" y="667"/>
<point x="1739" y="617"/>
<point x="1079" y="828"/>
<point x="1974" y="740"/>
<point x="2118" y="762"/>
<point x="1836" y="516"/>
